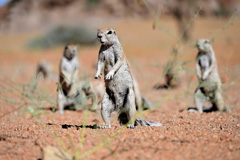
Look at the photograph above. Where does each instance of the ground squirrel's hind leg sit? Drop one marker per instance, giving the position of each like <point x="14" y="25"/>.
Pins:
<point x="61" y="102"/>
<point x="199" y="100"/>
<point x="131" y="107"/>
<point x="218" y="101"/>
<point x="106" y="110"/>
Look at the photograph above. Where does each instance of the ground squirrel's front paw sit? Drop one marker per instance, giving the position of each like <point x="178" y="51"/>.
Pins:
<point x="97" y="76"/>
<point x="109" y="75"/>
<point x="192" y="110"/>
<point x="227" y="109"/>
<point x="204" y="77"/>
<point x="131" y="126"/>
<point x="104" y="127"/>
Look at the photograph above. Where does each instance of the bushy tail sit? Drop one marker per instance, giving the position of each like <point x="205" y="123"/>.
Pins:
<point x="138" y="122"/>
<point x="142" y="122"/>
<point x="209" y="108"/>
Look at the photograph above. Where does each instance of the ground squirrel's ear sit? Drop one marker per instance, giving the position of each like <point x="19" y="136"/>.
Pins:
<point x="114" y="32"/>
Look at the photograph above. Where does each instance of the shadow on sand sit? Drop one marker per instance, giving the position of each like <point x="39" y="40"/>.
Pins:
<point x="67" y="126"/>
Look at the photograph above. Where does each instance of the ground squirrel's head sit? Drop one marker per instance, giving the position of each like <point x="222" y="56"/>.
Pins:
<point x="70" y="51"/>
<point x="203" y="45"/>
<point x="107" y="36"/>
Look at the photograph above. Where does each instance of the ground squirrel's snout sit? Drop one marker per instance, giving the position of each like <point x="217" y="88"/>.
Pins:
<point x="197" y="45"/>
<point x="107" y="36"/>
<point x="70" y="51"/>
<point x="73" y="53"/>
<point x="200" y="48"/>
<point x="203" y="45"/>
<point x="100" y="38"/>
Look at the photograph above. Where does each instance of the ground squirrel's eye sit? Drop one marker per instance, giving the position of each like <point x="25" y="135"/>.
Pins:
<point x="110" y="32"/>
<point x="206" y="42"/>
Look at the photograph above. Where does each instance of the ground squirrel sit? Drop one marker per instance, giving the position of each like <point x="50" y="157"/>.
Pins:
<point x="119" y="94"/>
<point x="69" y="92"/>
<point x="209" y="88"/>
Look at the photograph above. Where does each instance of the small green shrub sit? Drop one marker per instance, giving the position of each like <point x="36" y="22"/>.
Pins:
<point x="62" y="35"/>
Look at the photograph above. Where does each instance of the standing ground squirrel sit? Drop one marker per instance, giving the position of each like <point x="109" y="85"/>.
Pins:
<point x="208" y="77"/>
<point x="68" y="91"/>
<point x="119" y="94"/>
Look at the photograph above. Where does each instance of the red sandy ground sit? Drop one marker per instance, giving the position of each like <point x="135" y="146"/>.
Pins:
<point x="183" y="135"/>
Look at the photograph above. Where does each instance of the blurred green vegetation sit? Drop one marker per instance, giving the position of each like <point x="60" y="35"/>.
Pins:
<point x="92" y="3"/>
<point x="62" y="35"/>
